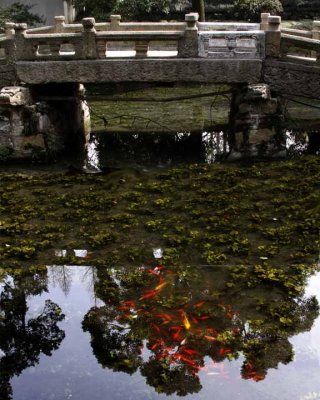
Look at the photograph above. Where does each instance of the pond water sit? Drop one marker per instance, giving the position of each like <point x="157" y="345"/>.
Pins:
<point x="96" y="350"/>
<point x="165" y="274"/>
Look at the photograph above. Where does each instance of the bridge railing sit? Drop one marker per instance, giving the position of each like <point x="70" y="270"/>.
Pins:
<point x="301" y="45"/>
<point x="91" y="40"/>
<point x="296" y="45"/>
<point x="300" y="49"/>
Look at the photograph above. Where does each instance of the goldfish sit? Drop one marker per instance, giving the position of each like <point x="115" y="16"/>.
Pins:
<point x="149" y="294"/>
<point x="224" y="351"/>
<point x="161" y="286"/>
<point x="191" y="352"/>
<point x="210" y="338"/>
<point x="186" y="322"/>
<point x="199" y="305"/>
<point x="258" y="378"/>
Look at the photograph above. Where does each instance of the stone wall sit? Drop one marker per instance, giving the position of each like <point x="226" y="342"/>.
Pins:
<point x="256" y="123"/>
<point x="7" y="75"/>
<point x="38" y="130"/>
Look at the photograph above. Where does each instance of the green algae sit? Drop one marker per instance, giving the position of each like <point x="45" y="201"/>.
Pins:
<point x="199" y="214"/>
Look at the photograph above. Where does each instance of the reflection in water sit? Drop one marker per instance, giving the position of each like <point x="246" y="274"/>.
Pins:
<point x="184" y="332"/>
<point x="170" y="330"/>
<point x="107" y="149"/>
<point x="92" y="157"/>
<point x="215" y="145"/>
<point x="296" y="143"/>
<point x="23" y="339"/>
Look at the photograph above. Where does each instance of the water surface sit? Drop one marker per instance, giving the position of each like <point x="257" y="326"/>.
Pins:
<point x="93" y="359"/>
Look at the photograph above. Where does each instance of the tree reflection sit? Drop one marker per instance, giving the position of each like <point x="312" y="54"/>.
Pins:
<point x="167" y="327"/>
<point x="23" y="339"/>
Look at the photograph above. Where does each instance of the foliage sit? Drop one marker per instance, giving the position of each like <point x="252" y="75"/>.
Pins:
<point x="251" y="9"/>
<point x="129" y="9"/>
<point x="142" y="9"/>
<point x="92" y="8"/>
<point x="18" y="12"/>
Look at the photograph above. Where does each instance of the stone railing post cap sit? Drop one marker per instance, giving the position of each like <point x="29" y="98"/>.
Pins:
<point x="59" y="18"/>
<point x="118" y="17"/>
<point x="316" y="24"/>
<point x="20" y="26"/>
<point x="192" y="17"/>
<point x="9" y="24"/>
<point x="264" y="15"/>
<point x="88" y="21"/>
<point x="274" y="19"/>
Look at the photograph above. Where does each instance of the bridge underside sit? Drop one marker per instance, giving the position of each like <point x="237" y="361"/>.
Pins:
<point x="292" y="78"/>
<point x="146" y="70"/>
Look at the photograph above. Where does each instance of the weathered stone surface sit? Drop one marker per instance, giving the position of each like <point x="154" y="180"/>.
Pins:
<point x="257" y="92"/>
<point x="15" y="96"/>
<point x="7" y="75"/>
<point x="146" y="70"/>
<point x="292" y="78"/>
<point x="256" y="123"/>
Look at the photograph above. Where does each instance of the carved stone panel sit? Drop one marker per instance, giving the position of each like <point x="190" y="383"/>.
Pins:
<point x="231" y="45"/>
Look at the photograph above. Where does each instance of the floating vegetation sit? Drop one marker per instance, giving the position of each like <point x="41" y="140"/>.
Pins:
<point x="199" y="214"/>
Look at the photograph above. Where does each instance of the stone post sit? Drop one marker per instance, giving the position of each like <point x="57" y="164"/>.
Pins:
<point x="256" y="123"/>
<point x="316" y="30"/>
<point x="264" y="24"/>
<point x="316" y="35"/>
<point x="10" y="49"/>
<point x="115" y="22"/>
<point x="59" y="22"/>
<point x="22" y="52"/>
<point x="142" y="47"/>
<point x="89" y="38"/>
<point x="273" y="37"/>
<point x="188" y="44"/>
<point x="9" y="28"/>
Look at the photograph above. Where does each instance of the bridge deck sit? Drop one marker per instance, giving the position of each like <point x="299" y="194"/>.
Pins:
<point x="143" y="70"/>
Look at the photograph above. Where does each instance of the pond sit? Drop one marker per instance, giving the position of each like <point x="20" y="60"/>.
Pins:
<point x="134" y="348"/>
<point x="194" y="281"/>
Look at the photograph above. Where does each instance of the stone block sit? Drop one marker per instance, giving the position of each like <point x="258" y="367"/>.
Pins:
<point x="15" y="96"/>
<point x="4" y="125"/>
<point x="260" y="91"/>
<point x="34" y="141"/>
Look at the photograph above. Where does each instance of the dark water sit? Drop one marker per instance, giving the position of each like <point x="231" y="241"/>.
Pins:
<point x="190" y="279"/>
<point x="91" y="358"/>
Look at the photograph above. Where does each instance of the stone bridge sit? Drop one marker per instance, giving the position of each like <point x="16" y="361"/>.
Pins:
<point x="288" y="60"/>
<point x="242" y="54"/>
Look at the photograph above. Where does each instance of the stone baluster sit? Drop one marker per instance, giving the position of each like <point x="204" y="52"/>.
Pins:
<point x="316" y="30"/>
<point x="23" y="52"/>
<point x="9" y="28"/>
<point x="55" y="49"/>
<point x="188" y="44"/>
<point x="115" y="22"/>
<point x="101" y="48"/>
<point x="316" y="35"/>
<point x="142" y="47"/>
<point x="59" y="23"/>
<point x="273" y="37"/>
<point x="264" y="24"/>
<point x="89" y="38"/>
